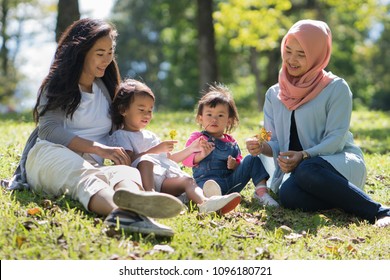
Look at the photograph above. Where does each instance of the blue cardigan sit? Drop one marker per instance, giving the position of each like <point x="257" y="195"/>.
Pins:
<point x="323" y="130"/>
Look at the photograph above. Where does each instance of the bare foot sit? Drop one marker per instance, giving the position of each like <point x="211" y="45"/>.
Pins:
<point x="383" y="222"/>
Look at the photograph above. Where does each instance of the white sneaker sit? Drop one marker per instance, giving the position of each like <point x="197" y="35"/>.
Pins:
<point x="266" y="200"/>
<point x="149" y="204"/>
<point x="223" y="204"/>
<point x="211" y="188"/>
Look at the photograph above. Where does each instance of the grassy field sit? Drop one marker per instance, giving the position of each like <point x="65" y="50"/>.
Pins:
<point x="35" y="227"/>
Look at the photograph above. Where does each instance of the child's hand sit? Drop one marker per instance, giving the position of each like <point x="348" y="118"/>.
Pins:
<point x="195" y="146"/>
<point x="165" y="146"/>
<point x="205" y="147"/>
<point x="231" y="163"/>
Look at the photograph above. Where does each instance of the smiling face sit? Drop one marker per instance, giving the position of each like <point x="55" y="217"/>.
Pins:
<point x="215" y="120"/>
<point x="294" y="58"/>
<point x="97" y="60"/>
<point x="139" y="114"/>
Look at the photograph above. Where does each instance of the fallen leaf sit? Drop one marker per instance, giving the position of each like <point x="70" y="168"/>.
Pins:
<point x="163" y="248"/>
<point x="293" y="236"/>
<point x="351" y="249"/>
<point x="242" y="236"/>
<point x="47" y="204"/>
<point x="252" y="220"/>
<point x="320" y="220"/>
<point x="34" y="211"/>
<point x="20" y="241"/>
<point x="285" y="229"/>
<point x="29" y="225"/>
<point x="335" y="238"/>
<point x="282" y="231"/>
<point x="332" y="249"/>
<point x="358" y="240"/>
<point x="263" y="253"/>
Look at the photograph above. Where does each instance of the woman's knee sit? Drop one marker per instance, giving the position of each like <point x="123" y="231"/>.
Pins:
<point x="124" y="172"/>
<point x="303" y="170"/>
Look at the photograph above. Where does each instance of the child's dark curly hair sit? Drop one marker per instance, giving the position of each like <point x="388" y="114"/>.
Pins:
<point x="219" y="94"/>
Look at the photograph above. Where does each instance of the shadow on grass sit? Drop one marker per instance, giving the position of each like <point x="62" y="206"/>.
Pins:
<point x="309" y="222"/>
<point x="27" y="199"/>
<point x="299" y="221"/>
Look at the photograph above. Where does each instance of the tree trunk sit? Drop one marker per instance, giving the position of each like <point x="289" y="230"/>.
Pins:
<point x="208" y="71"/>
<point x="273" y="67"/>
<point x="253" y="59"/>
<point x="68" y="12"/>
<point x="4" y="49"/>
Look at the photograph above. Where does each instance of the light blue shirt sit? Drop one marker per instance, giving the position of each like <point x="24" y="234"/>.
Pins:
<point x="323" y="130"/>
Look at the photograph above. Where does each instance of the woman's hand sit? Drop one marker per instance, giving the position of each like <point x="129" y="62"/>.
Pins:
<point x="117" y="154"/>
<point x="253" y="146"/>
<point x="288" y="161"/>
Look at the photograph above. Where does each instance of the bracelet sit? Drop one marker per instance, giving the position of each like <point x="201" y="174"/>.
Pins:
<point x="305" y="155"/>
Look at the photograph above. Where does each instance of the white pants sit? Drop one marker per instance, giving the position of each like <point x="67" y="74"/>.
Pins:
<point x="56" y="170"/>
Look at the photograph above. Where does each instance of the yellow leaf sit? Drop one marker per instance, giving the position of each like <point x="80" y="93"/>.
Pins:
<point x="332" y="249"/>
<point x="34" y="211"/>
<point x="264" y="135"/>
<point x="20" y="240"/>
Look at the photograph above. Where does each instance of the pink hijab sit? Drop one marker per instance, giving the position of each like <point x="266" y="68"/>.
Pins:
<point x="316" y="40"/>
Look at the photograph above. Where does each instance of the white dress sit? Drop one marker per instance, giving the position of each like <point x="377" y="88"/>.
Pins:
<point x="141" y="141"/>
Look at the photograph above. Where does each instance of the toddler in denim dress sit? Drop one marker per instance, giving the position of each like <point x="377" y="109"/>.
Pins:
<point x="219" y="167"/>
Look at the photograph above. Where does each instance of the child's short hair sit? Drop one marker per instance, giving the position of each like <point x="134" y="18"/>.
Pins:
<point x="124" y="96"/>
<point x="219" y="94"/>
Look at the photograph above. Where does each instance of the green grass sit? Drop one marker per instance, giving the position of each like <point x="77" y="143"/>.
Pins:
<point x="62" y="229"/>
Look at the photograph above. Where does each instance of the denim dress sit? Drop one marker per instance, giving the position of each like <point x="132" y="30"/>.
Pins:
<point x="214" y="167"/>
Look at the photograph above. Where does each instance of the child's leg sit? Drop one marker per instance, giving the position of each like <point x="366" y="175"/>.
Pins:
<point x="147" y="176"/>
<point x="262" y="196"/>
<point x="250" y="168"/>
<point x="178" y="185"/>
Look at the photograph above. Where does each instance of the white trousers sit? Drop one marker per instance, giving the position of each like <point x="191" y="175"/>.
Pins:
<point x="54" y="169"/>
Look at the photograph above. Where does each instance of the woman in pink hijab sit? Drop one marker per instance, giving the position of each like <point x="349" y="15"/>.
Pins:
<point x="317" y="166"/>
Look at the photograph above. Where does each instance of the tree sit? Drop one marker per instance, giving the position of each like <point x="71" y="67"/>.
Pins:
<point x="162" y="43"/>
<point x="380" y="67"/>
<point x="9" y="75"/>
<point x="252" y="28"/>
<point x="207" y="56"/>
<point x="158" y="44"/>
<point x="15" y="15"/>
<point x="68" y="12"/>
